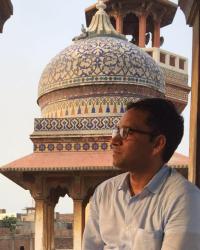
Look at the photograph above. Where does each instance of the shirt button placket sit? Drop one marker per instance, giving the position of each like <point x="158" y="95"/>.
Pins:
<point x="130" y="218"/>
<point x="130" y="211"/>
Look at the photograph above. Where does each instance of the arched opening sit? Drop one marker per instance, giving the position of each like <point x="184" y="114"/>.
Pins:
<point x="113" y="21"/>
<point x="63" y="223"/>
<point x="149" y="33"/>
<point x="64" y="205"/>
<point x="131" y="27"/>
<point x="21" y="248"/>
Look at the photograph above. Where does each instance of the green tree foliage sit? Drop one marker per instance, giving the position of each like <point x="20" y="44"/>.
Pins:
<point x="9" y="222"/>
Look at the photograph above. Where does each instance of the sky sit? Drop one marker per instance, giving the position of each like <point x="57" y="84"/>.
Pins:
<point x="37" y="31"/>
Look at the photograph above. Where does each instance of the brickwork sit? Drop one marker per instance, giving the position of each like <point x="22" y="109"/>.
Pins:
<point x="63" y="243"/>
<point x="12" y="241"/>
<point x="23" y="236"/>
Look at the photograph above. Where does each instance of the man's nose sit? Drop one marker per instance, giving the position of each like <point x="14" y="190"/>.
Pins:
<point x="116" y="140"/>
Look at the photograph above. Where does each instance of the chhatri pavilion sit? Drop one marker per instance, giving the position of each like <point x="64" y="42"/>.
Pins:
<point x="82" y="94"/>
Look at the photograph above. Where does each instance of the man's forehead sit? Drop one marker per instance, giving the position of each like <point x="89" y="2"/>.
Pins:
<point x="134" y="116"/>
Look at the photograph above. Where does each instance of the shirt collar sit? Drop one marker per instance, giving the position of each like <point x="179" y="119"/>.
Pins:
<point x="154" y="184"/>
<point x="124" y="182"/>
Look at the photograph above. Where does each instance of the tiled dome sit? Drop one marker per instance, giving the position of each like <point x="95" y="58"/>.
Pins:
<point x="101" y="60"/>
<point x="98" y="74"/>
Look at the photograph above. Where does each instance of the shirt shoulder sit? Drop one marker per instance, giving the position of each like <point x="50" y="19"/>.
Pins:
<point x="180" y="185"/>
<point x="109" y="186"/>
<point x="114" y="182"/>
<point x="179" y="192"/>
<point x="180" y="205"/>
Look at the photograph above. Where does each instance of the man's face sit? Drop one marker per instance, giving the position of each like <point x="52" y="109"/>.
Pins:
<point x="136" y="151"/>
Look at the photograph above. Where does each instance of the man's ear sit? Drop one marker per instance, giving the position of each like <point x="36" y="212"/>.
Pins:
<point x="159" y="144"/>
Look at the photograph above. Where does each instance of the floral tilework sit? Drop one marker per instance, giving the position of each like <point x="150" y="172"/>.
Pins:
<point x="101" y="60"/>
<point x="111" y="105"/>
<point x="72" y="147"/>
<point x="72" y="124"/>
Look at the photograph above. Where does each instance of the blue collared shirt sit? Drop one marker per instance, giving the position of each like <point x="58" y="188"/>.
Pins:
<point x="164" y="216"/>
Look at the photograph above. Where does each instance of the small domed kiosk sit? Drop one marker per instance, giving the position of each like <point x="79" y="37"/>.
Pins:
<point x="82" y="94"/>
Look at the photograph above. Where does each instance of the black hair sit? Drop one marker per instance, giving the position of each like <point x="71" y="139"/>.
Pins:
<point x="163" y="118"/>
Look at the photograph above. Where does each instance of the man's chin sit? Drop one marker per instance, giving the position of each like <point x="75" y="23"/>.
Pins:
<point x="119" y="165"/>
<point x="115" y="164"/>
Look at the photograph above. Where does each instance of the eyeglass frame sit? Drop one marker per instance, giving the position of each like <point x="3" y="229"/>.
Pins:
<point x="119" y="132"/>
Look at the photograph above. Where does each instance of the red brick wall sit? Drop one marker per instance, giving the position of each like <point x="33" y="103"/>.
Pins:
<point x="5" y="244"/>
<point x="63" y="243"/>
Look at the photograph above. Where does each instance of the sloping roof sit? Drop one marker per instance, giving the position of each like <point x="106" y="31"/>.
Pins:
<point x="74" y="161"/>
<point x="61" y="161"/>
<point x="179" y="160"/>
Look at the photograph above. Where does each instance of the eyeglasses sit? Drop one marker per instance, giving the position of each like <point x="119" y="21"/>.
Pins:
<point x="125" y="131"/>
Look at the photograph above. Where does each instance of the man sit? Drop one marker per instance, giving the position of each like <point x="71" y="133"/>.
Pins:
<point x="151" y="206"/>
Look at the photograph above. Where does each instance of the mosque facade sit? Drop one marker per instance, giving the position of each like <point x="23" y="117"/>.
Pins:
<point x="82" y="94"/>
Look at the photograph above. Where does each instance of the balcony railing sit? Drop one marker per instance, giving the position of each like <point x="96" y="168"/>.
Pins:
<point x="168" y="59"/>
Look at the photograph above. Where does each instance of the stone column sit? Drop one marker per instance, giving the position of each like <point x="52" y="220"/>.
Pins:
<point x="40" y="224"/>
<point x="46" y="195"/>
<point x="119" y="23"/>
<point x="80" y="189"/>
<point x="79" y="223"/>
<point x="142" y="29"/>
<point x="191" y="9"/>
<point x="44" y="225"/>
<point x="41" y="229"/>
<point x="194" y="166"/>
<point x="156" y="34"/>
<point x="50" y="226"/>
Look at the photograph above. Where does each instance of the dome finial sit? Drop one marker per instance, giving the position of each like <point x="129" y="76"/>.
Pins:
<point x="101" y="25"/>
<point x="100" y="5"/>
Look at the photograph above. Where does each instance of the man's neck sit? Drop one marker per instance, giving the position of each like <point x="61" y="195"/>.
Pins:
<point x="138" y="180"/>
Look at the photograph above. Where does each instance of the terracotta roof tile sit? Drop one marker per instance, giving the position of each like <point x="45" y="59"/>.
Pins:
<point x="75" y="161"/>
<point x="179" y="160"/>
<point x="55" y="161"/>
